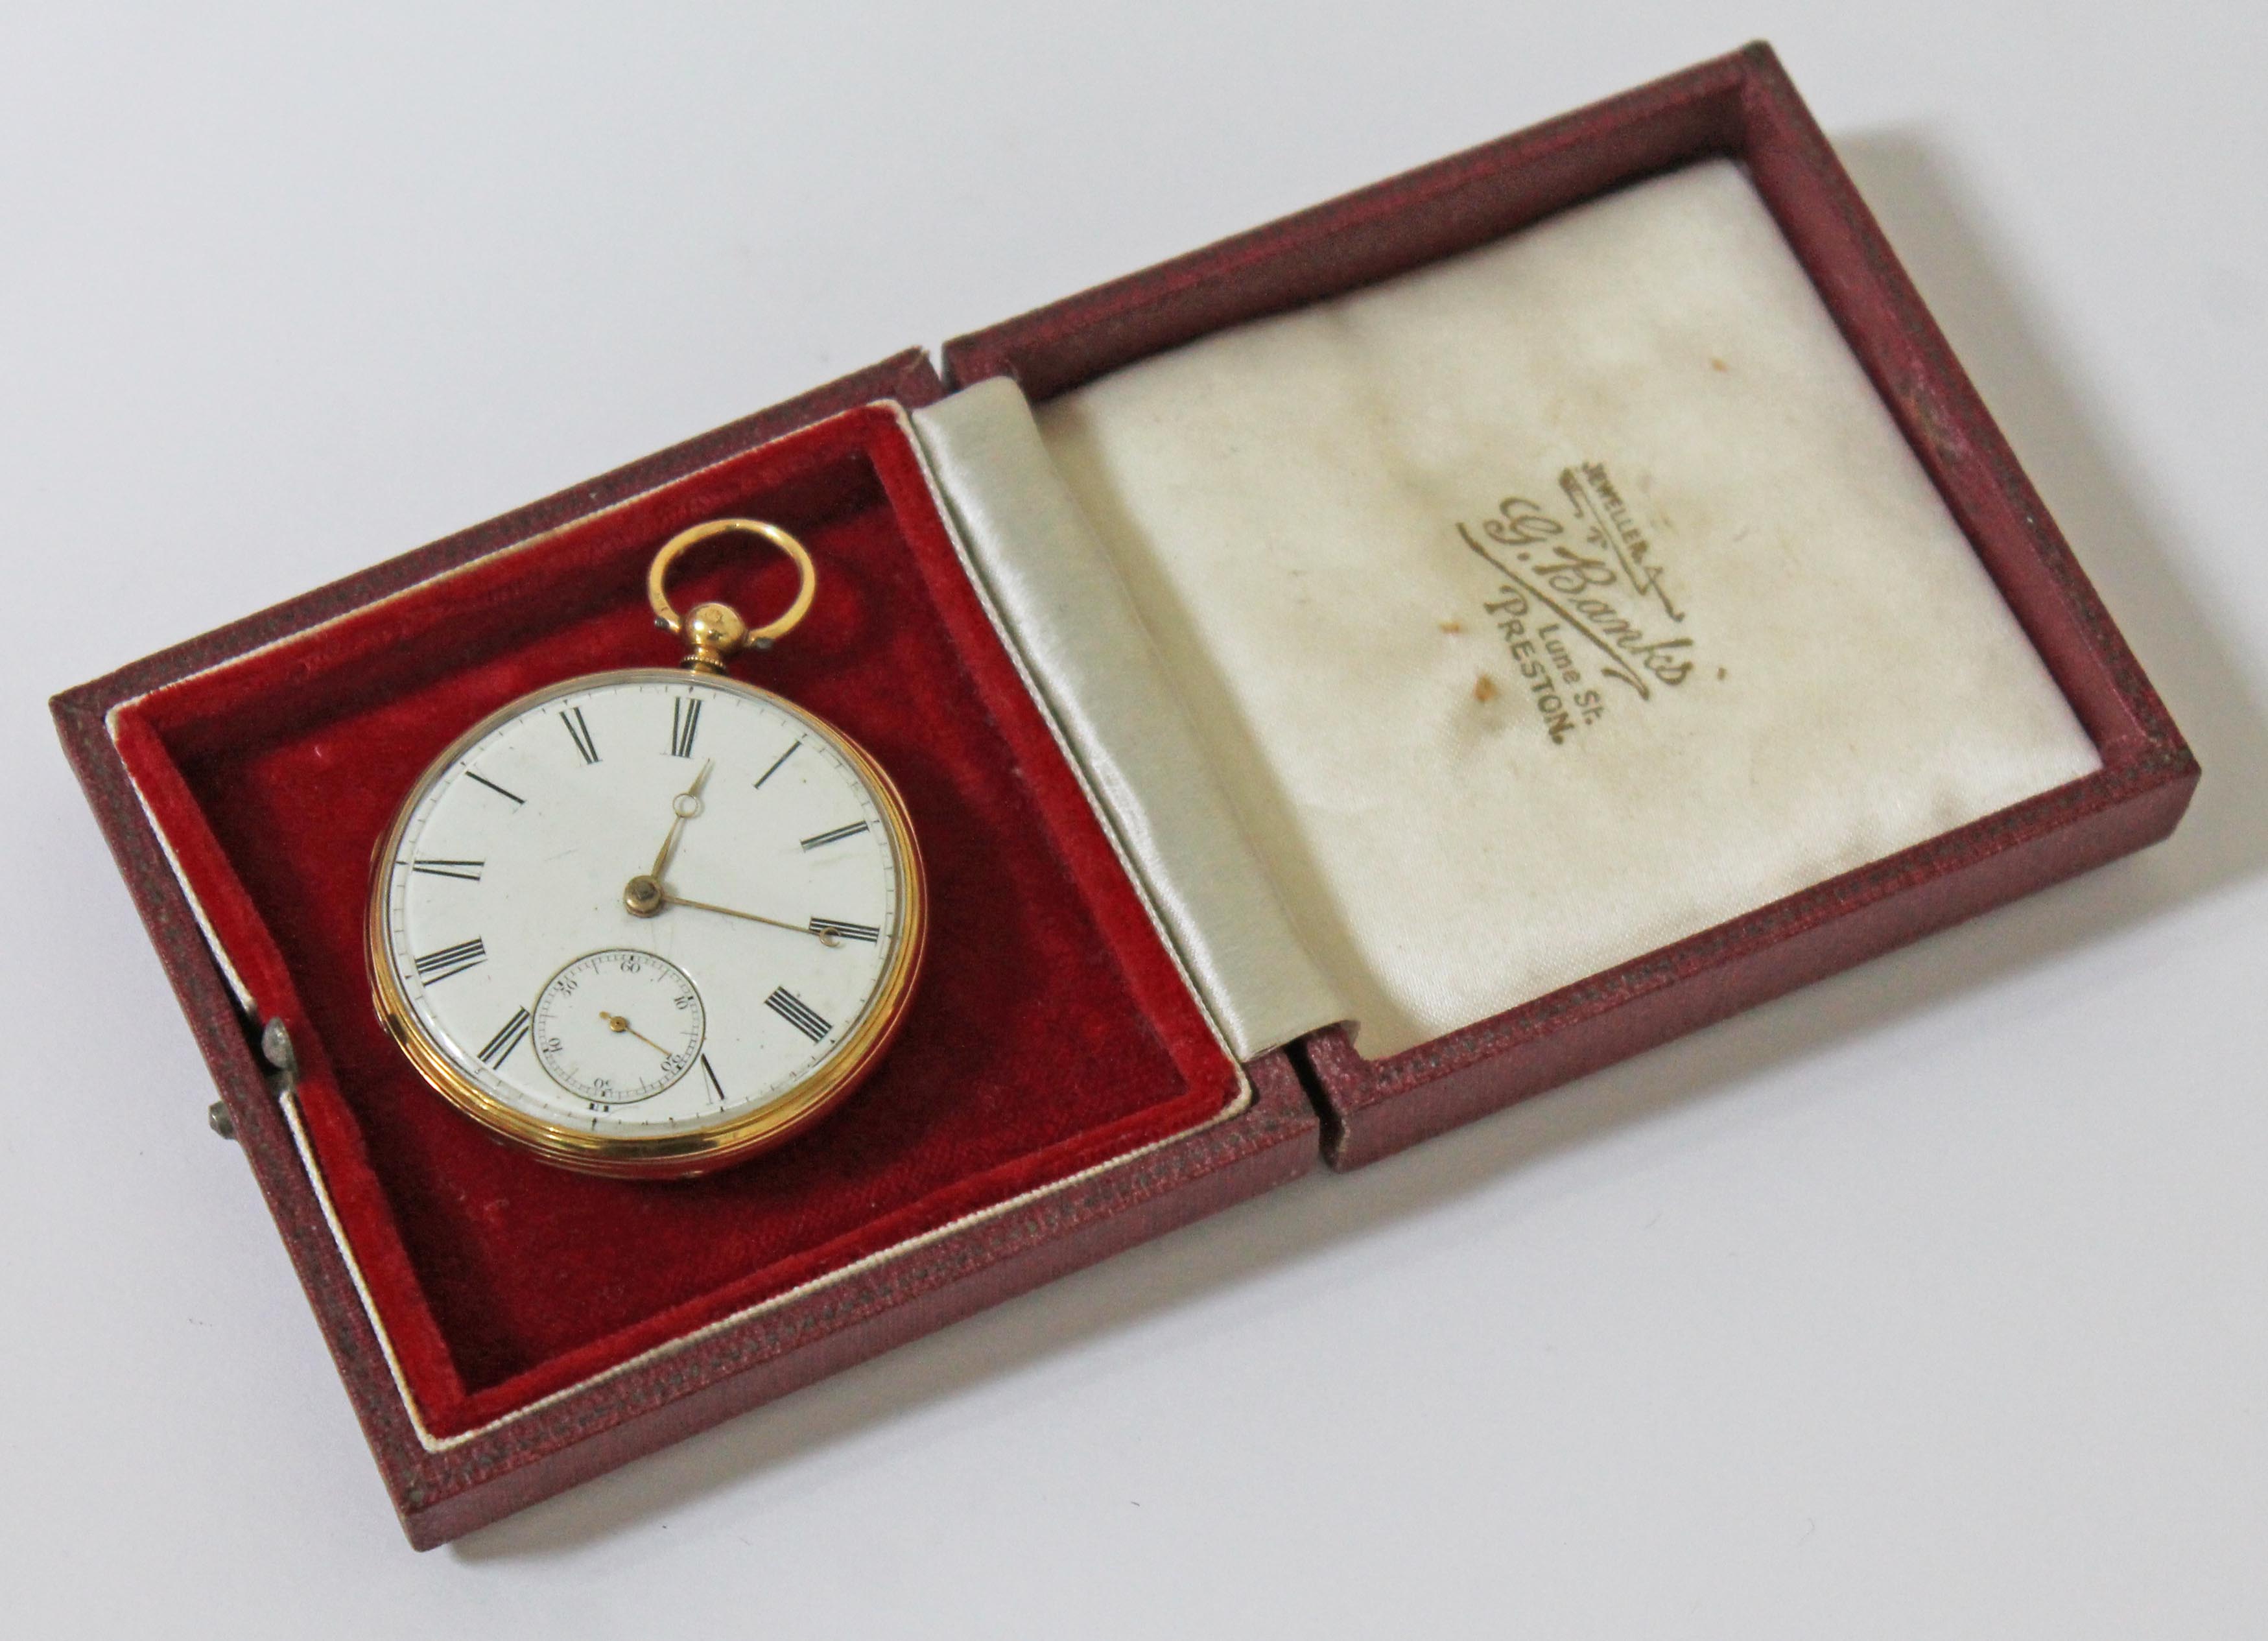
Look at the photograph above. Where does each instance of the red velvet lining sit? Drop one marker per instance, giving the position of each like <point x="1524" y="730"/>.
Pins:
<point x="1051" y="1031"/>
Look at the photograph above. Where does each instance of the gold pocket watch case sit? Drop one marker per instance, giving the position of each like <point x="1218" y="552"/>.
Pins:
<point x="627" y="1009"/>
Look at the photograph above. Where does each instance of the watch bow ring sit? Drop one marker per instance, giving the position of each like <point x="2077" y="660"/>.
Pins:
<point x="714" y="633"/>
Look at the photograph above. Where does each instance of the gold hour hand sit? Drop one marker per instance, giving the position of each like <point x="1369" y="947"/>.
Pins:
<point x="684" y="807"/>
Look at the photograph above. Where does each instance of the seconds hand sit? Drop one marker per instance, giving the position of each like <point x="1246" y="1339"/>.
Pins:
<point x="621" y="1023"/>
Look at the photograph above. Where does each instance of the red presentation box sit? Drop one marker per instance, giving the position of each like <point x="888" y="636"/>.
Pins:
<point x="505" y="1330"/>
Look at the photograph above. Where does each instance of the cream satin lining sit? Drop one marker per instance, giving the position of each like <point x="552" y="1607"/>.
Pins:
<point x="1058" y="593"/>
<point x="1443" y="643"/>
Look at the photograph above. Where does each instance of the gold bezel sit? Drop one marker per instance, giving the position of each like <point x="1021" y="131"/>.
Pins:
<point x="677" y="1155"/>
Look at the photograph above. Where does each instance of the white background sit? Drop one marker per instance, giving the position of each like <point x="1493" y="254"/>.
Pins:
<point x="1926" y="1302"/>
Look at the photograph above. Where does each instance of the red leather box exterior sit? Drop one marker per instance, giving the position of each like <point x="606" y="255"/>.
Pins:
<point x="1745" y="107"/>
<point x="1741" y="105"/>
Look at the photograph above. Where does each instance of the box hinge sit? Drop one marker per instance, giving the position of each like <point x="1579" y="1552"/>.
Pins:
<point x="282" y="1076"/>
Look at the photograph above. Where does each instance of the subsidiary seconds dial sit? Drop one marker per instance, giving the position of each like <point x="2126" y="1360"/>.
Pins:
<point x="586" y="1031"/>
<point x="646" y="922"/>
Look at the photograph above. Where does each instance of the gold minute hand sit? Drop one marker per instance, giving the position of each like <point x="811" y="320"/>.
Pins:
<point x="685" y="806"/>
<point x="825" y="936"/>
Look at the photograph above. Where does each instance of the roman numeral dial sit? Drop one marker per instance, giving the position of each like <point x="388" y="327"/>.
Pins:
<point x="684" y="725"/>
<point x="776" y="765"/>
<point x="798" y="1013"/>
<point x="639" y="906"/>
<point x="510" y="1036"/>
<point x="451" y="960"/>
<point x="579" y="731"/>
<point x="463" y="871"/>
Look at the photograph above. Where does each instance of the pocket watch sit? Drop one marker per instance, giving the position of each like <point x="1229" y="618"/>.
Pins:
<point x="651" y="921"/>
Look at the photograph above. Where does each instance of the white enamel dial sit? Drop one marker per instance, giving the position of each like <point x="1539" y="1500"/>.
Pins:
<point x="701" y="862"/>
